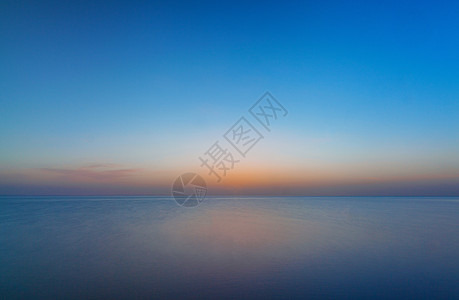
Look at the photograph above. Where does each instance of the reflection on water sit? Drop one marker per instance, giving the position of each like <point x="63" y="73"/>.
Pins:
<point x="124" y="247"/>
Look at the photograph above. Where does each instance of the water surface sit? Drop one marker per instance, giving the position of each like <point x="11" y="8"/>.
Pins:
<point x="266" y="247"/>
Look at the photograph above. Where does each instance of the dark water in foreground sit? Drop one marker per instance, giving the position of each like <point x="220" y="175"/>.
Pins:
<point x="144" y="247"/>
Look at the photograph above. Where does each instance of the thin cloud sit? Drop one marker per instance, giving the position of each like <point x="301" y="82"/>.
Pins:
<point x="102" y="165"/>
<point x="93" y="171"/>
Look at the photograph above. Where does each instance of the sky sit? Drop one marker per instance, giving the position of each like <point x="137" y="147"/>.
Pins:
<point x="120" y="98"/>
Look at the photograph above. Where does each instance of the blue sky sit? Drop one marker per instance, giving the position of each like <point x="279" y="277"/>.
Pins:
<point x="371" y="87"/>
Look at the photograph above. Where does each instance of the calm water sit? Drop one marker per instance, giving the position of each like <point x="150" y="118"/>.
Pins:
<point x="145" y="247"/>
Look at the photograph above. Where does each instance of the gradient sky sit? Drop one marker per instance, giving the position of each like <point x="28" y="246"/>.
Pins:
<point x="121" y="98"/>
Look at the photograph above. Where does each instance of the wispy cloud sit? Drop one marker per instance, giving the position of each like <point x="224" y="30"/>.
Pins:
<point x="102" y="165"/>
<point x="104" y="171"/>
